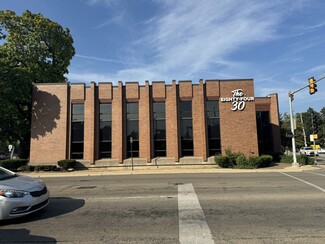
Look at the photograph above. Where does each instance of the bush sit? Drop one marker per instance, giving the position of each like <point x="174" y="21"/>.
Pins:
<point x="241" y="162"/>
<point x="305" y="160"/>
<point x="223" y="161"/>
<point x="286" y="159"/>
<point x="232" y="156"/>
<point x="264" y="161"/>
<point x="252" y="162"/>
<point x="301" y="159"/>
<point x="67" y="163"/>
<point x="13" y="164"/>
<point x="43" y="168"/>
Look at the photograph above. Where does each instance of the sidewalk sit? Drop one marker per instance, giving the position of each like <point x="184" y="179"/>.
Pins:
<point x="175" y="169"/>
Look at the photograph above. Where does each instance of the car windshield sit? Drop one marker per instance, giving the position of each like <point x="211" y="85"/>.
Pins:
<point x="4" y="175"/>
<point x="308" y="148"/>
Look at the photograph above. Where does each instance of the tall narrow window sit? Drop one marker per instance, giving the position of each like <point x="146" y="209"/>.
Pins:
<point x="77" y="131"/>
<point x="213" y="123"/>
<point x="132" y="129"/>
<point x="159" y="129"/>
<point x="105" y="130"/>
<point x="186" y="128"/>
<point x="264" y="132"/>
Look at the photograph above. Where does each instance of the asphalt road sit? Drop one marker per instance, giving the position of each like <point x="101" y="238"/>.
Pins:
<point x="188" y="208"/>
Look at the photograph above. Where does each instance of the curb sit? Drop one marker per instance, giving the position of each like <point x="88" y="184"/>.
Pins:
<point x="166" y="170"/>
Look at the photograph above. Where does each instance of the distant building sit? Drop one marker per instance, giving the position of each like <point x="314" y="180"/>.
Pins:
<point x="152" y="123"/>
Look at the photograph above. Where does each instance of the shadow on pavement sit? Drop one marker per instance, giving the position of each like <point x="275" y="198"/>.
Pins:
<point x="23" y="235"/>
<point x="57" y="206"/>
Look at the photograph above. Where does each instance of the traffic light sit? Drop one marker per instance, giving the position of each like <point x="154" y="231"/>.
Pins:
<point x="312" y="85"/>
<point x="315" y="121"/>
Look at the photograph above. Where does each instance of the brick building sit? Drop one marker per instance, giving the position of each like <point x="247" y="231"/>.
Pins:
<point x="182" y="122"/>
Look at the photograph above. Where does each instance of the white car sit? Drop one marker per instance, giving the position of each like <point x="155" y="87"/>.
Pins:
<point x="20" y="195"/>
<point x="321" y="150"/>
<point x="308" y="151"/>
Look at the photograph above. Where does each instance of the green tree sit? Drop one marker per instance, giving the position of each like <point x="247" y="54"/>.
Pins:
<point x="321" y="130"/>
<point x="34" y="50"/>
<point x="285" y="128"/>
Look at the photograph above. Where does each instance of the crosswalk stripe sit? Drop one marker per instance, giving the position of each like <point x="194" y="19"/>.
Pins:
<point x="193" y="227"/>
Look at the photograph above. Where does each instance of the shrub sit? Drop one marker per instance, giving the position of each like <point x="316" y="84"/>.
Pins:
<point x="241" y="162"/>
<point x="43" y="168"/>
<point x="67" y="163"/>
<point x="13" y="164"/>
<point x="223" y="161"/>
<point x="305" y="160"/>
<point x="301" y="159"/>
<point x="30" y="168"/>
<point x="252" y="162"/>
<point x="264" y="161"/>
<point x="286" y="159"/>
<point x="232" y="156"/>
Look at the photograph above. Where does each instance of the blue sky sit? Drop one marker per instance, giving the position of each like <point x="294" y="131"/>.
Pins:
<point x="278" y="43"/>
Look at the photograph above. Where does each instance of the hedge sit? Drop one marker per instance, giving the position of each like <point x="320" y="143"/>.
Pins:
<point x="301" y="159"/>
<point x="13" y="164"/>
<point x="223" y="161"/>
<point x="67" y="163"/>
<point x="238" y="160"/>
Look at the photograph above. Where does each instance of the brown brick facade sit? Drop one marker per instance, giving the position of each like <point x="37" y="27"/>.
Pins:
<point x="238" y="128"/>
<point x="49" y="132"/>
<point x="51" y="120"/>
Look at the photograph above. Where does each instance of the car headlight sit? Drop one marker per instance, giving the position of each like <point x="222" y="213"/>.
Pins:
<point x="12" y="193"/>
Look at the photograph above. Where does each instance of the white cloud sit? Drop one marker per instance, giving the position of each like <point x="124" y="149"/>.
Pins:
<point x="123" y="75"/>
<point x="106" y="2"/>
<point x="188" y="38"/>
<point x="192" y="35"/>
<point x="117" y="19"/>
<point x="86" y="77"/>
<point x="318" y="69"/>
<point x="102" y="59"/>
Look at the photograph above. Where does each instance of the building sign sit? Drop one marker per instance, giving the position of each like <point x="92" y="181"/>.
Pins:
<point x="238" y="100"/>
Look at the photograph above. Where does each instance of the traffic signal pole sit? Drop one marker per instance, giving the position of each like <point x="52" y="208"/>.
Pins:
<point x="312" y="85"/>
<point x="294" y="155"/>
<point x="303" y="130"/>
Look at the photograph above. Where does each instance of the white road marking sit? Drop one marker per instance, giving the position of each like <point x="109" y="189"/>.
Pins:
<point x="315" y="173"/>
<point x="306" y="182"/>
<point x="98" y="199"/>
<point x="193" y="227"/>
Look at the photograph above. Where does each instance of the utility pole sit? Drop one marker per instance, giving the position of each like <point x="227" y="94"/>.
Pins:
<point x="294" y="155"/>
<point x="312" y="90"/>
<point x="314" y="139"/>
<point x="303" y="130"/>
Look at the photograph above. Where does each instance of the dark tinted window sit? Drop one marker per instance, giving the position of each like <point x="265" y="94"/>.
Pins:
<point x="186" y="128"/>
<point x="77" y="131"/>
<point x="264" y="132"/>
<point x="132" y="129"/>
<point x="159" y="129"/>
<point x="105" y="130"/>
<point x="213" y="127"/>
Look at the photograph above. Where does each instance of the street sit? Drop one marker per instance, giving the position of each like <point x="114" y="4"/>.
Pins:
<point x="255" y="207"/>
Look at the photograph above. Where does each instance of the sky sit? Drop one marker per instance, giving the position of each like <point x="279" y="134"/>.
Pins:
<point x="278" y="43"/>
